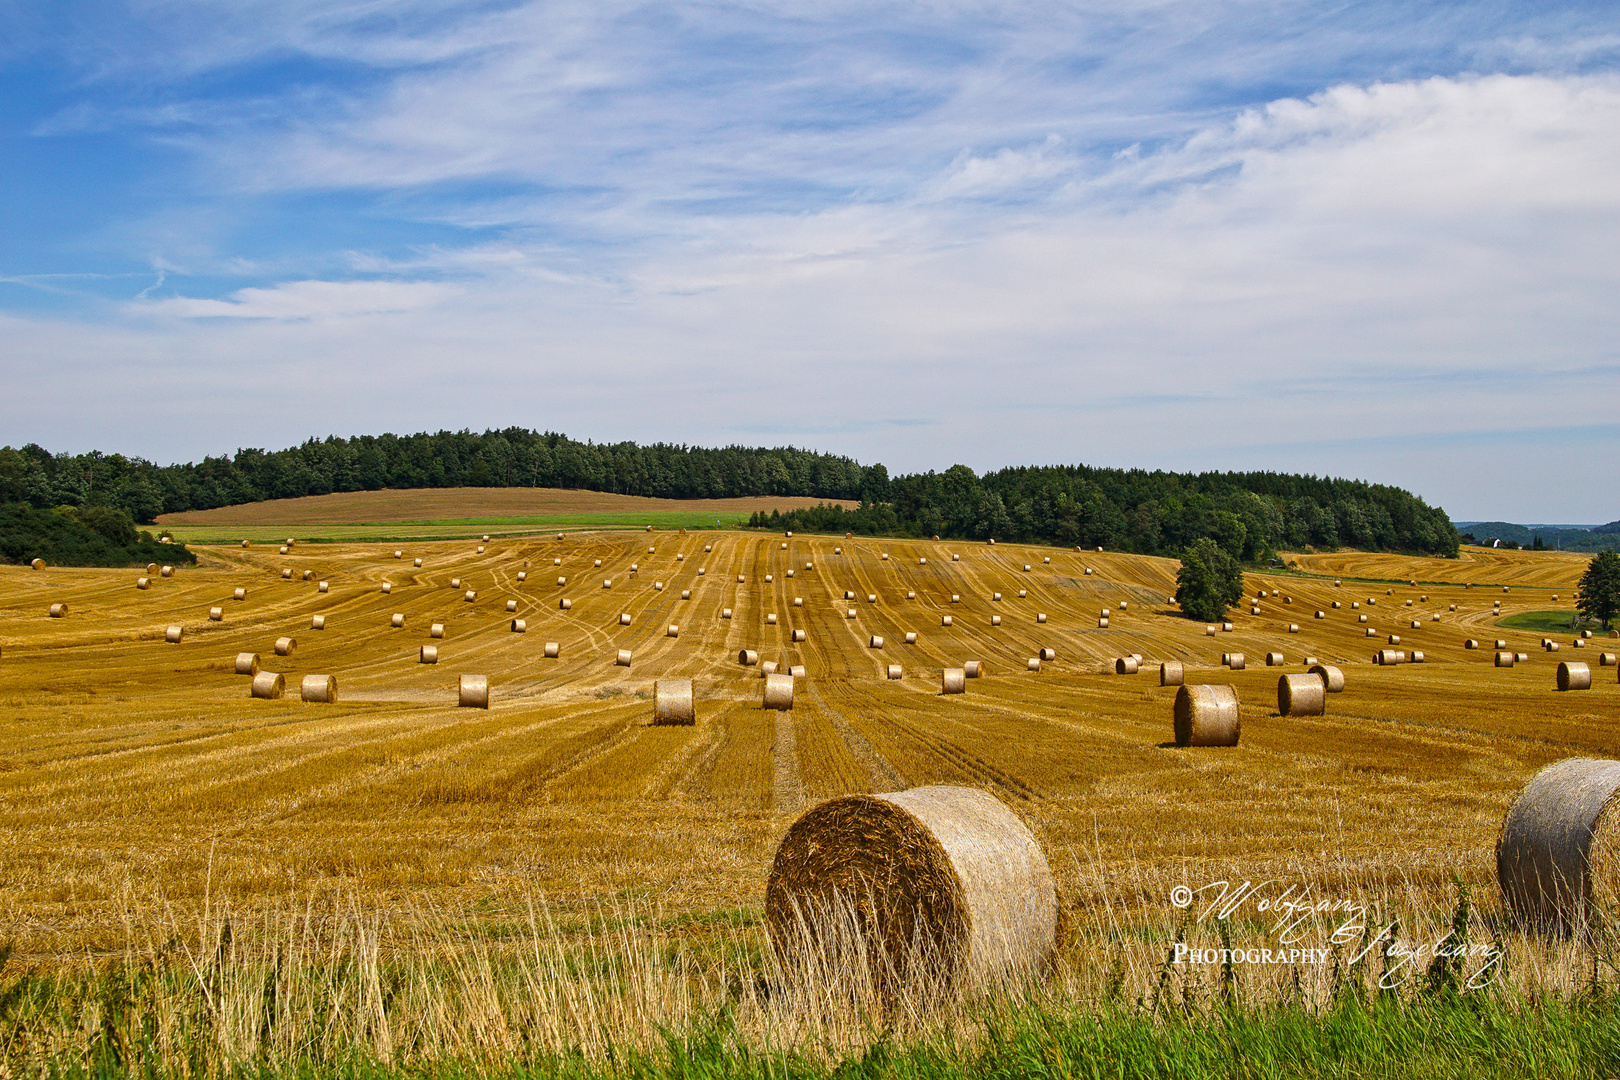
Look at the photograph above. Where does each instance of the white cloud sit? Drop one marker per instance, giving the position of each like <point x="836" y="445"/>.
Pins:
<point x="305" y="300"/>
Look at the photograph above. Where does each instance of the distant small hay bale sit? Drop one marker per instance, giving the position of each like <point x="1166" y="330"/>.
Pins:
<point x="1361" y="618"/>
<point x="686" y="594"/>
<point x="1301" y="695"/>
<point x="1606" y="659"/>
<point x="1321" y="614"/>
<point x="622" y="659"/>
<point x="472" y="692"/>
<point x="309" y="575"/>
<point x="286" y="573"/>
<point x="561" y="582"/>
<point x="885" y="558"/>
<point x="1416" y="624"/>
<point x="387" y="588"/>
<point x="1026" y="568"/>
<point x="216" y="614"/>
<point x="480" y="550"/>
<point x="597" y="563"/>
<point x="1274" y="659"/>
<point x="173" y="634"/>
<point x="1102" y="623"/>
<point x="565" y="604"/>
<point x="798" y="601"/>
<point x="397" y="620"/>
<point x="673" y="703"/>
<point x="798" y="636"/>
<point x="1237" y="661"/>
<point x="1521" y="657"/>
<point x="911" y="594"/>
<point x="797" y="671"/>
<point x="511" y="605"/>
<point x="523" y="575"/>
<point x="874" y="642"/>
<point x="519" y="626"/>
<point x="1105" y="612"/>
<point x="911" y="637"/>
<point x="944" y="620"/>
<point x="317" y="622"/>
<point x="894" y="671"/>
<point x="973" y="669"/>
<point x="838" y="551"/>
<point x="1088" y="571"/>
<point x="1126" y="665"/>
<point x="322" y="587"/>
<point x="470" y="596"/>
<point x="417" y="563"/>
<point x="1309" y="661"/>
<point x="995" y="620"/>
<point x="1336" y="605"/>
<point x="1293" y="628"/>
<point x="768" y="667"/>
<point x="1574" y="676"/>
<point x="624" y="618"/>
<point x="167" y="571"/>
<point x="778" y="692"/>
<point x="923" y="561"/>
<point x="1207" y="715"/>
<point x="953" y="680"/>
<point x="707" y="548"/>
<point x="1172" y="673"/>
<point x="39" y="564"/>
<point x="1226" y="626"/>
<point x="1470" y="644"/>
<point x="398" y="554"/>
<point x="943" y="873"/>
<point x="282" y="550"/>
<point x="607" y="583"/>
<point x="1388" y="657"/>
<point x="1554" y="861"/>
<point x="143" y="583"/>
<point x="956" y="598"/>
<point x="995" y="596"/>
<point x="318" y="689"/>
<point x="1332" y="678"/>
<point x="1414" y="657"/>
<point x="747" y="657"/>
<point x="286" y="646"/>
<point x="1048" y="654"/>
<point x="247" y="663"/>
<point x="269" y="685"/>
<point x="552" y="651"/>
<point x="725" y="613"/>
<point x="790" y="573"/>
<point x="247" y="543"/>
<point x="871" y="598"/>
<point x="956" y="558"/>
<point x="1033" y="664"/>
<point x="1337" y="583"/>
<point x="702" y="571"/>
<point x="436" y="630"/>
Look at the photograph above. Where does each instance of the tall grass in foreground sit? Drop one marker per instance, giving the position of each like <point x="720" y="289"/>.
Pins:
<point x="332" y="989"/>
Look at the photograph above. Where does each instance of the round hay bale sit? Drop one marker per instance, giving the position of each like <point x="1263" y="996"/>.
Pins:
<point x="1048" y="654"/>
<point x="416" y="563"/>
<point x="1274" y="659"/>
<point x="1574" y="676"/>
<point x="790" y="573"/>
<point x="1332" y="678"/>
<point x="708" y="547"/>
<point x="607" y="583"/>
<point x="911" y="637"/>
<point x="1209" y="631"/>
<point x="1226" y="658"/>
<point x="956" y="558"/>
<point x="770" y="619"/>
<point x="1387" y="657"/>
<point x="472" y="692"/>
<point x="480" y="550"/>
<point x="317" y="622"/>
<point x="436" y="630"/>
<point x="1321" y="614"/>
<point x="995" y="620"/>
<point x="658" y="586"/>
<point x="247" y="543"/>
<point x="1521" y="657"/>
<point x="1293" y="628"/>
<point x="725" y="613"/>
<point x="1040" y="616"/>
<point x="429" y="654"/>
<point x="1102" y="623"/>
<point x="398" y="554"/>
<point x="387" y="588"/>
<point x="885" y="558"/>
<point x="768" y="667"/>
<point x="622" y="659"/>
<point x="798" y="601"/>
<point x="318" y="688"/>
<point x="769" y="578"/>
<point x="552" y="651"/>
<point x="1172" y="673"/>
<point x="173" y="634"/>
<point x="1553" y="860"/>
<point x="956" y="598"/>
<point x="673" y="702"/>
<point x="1301" y="695"/>
<point x="944" y="620"/>
<point x="216" y="614"/>
<point x="523" y="575"/>
<point x="167" y="571"/>
<point x="1033" y="664"/>
<point x="1237" y="661"/>
<point x="309" y="575"/>
<point x="973" y="669"/>
<point x="269" y="685"/>
<point x="597" y="563"/>
<point x="455" y="583"/>
<point x="1126" y="665"/>
<point x="1227" y="627"/>
<point x="1415" y="657"/>
<point x="1501" y="643"/>
<point x="1415" y="625"/>
<point x="894" y="671"/>
<point x="511" y="605"/>
<point x="143" y="583"/>
<point x="397" y="620"/>
<point x="1026" y="568"/>
<point x="1606" y="659"/>
<point x="624" y="618"/>
<point x="1207" y="716"/>
<point x="286" y="646"/>
<point x="703" y="571"/>
<point x="686" y="594"/>
<point x="520" y="626"/>
<point x="871" y="598"/>
<point x="247" y="663"/>
<point x="953" y="680"/>
<point x="747" y="657"/>
<point x="922" y="561"/>
<point x="672" y="630"/>
<point x="1337" y="605"/>
<point x="561" y="582"/>
<point x="796" y="671"/>
<point x="938" y="886"/>
<point x="565" y="604"/>
<point x="798" y="635"/>
<point x="778" y="692"/>
<point x="282" y="550"/>
<point x="875" y="642"/>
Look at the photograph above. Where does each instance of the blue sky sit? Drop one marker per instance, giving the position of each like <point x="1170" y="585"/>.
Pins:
<point x="1368" y="239"/>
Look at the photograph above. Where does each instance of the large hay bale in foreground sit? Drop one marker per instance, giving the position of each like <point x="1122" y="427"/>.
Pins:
<point x="778" y="692"/>
<point x="929" y="889"/>
<point x="1574" y="676"/>
<point x="1553" y="860"/>
<point x="673" y="702"/>
<point x="1332" y="678"/>
<point x="269" y="685"/>
<point x="1207" y="716"/>
<point x="1301" y="695"/>
<point x="472" y="692"/>
<point x="318" y="688"/>
<point x="1172" y="673"/>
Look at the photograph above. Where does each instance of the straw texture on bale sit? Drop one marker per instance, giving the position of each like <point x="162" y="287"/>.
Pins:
<point x="429" y="654"/>
<point x="59" y="611"/>
<point x="1207" y="716"/>
<point x="894" y="671"/>
<point x="778" y="692"/>
<point x="1172" y="673"/>
<point x="973" y="669"/>
<point x="565" y="604"/>
<point x="552" y="650"/>
<point x="472" y="692"/>
<point x="747" y="657"/>
<point x="39" y="564"/>
<point x="1574" y="676"/>
<point x="511" y="605"/>
<point x="247" y="663"/>
<point x="143" y="583"/>
<point x="318" y="688"/>
<point x="1332" y="678"/>
<point x="286" y="646"/>
<point x="673" y="703"/>
<point x="1504" y="659"/>
<point x="216" y="614"/>
<point x="1301" y="695"/>
<point x="874" y="642"/>
<point x="1125" y="665"/>
<point x="1553" y="860"/>
<point x="321" y="586"/>
<point x="269" y="685"/>
<point x="624" y="618"/>
<point x="317" y="622"/>
<point x="622" y="659"/>
<point x="946" y="878"/>
<point x="953" y="680"/>
<point x="173" y="634"/>
<point x="796" y="671"/>
<point x="397" y="620"/>
<point x="436" y="630"/>
<point x="1274" y="659"/>
<point x="1237" y="662"/>
<point x="1606" y="659"/>
<point x="1048" y="654"/>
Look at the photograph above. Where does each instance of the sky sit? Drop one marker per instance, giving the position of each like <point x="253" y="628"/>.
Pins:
<point x="1378" y="240"/>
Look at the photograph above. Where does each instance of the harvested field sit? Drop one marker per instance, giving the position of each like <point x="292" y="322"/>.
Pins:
<point x="137" y="775"/>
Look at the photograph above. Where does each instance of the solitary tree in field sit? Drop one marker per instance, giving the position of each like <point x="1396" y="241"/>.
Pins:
<point x="1209" y="580"/>
<point x="1600" y="588"/>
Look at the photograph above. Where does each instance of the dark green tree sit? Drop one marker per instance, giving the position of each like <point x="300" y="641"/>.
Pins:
<point x="1600" y="588"/>
<point x="1209" y="580"/>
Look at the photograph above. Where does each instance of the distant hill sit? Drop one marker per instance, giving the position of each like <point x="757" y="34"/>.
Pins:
<point x="1553" y="537"/>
